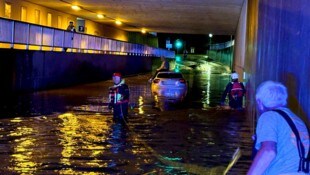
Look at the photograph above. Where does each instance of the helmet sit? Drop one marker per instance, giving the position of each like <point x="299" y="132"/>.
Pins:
<point x="234" y="76"/>
<point x="117" y="74"/>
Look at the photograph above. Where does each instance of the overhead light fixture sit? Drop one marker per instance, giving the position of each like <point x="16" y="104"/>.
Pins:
<point x="118" y="22"/>
<point x="100" y="16"/>
<point x="75" y="7"/>
<point x="210" y="35"/>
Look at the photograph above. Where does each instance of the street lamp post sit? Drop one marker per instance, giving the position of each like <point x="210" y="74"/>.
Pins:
<point x="210" y="41"/>
<point x="210" y="38"/>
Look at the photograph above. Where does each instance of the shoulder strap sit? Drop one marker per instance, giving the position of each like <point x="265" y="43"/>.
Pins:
<point x="304" y="162"/>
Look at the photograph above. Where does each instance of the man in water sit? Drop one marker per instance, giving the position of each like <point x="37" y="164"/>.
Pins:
<point x="119" y="98"/>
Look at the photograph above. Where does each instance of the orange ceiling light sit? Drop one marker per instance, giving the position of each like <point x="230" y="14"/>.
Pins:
<point x="100" y="16"/>
<point x="118" y="22"/>
<point x="75" y="7"/>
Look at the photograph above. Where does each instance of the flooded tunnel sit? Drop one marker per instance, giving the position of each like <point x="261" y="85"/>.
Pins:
<point x="71" y="131"/>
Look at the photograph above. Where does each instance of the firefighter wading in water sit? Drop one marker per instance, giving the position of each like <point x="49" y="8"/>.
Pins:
<point x="235" y="91"/>
<point x="119" y="98"/>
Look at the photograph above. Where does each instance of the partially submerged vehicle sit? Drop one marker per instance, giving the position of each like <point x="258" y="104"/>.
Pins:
<point x="170" y="85"/>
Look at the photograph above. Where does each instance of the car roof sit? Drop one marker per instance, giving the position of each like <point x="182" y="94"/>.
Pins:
<point x="169" y="74"/>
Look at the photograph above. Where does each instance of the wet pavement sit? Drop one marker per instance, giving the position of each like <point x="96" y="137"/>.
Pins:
<point x="70" y="131"/>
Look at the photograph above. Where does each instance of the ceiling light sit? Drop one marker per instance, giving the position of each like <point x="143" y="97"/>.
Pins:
<point x="100" y="16"/>
<point x="75" y="7"/>
<point x="118" y="22"/>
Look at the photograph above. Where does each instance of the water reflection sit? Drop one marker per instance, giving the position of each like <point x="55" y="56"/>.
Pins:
<point x="206" y="94"/>
<point x="118" y="137"/>
<point x="68" y="132"/>
<point x="167" y="104"/>
<point x="140" y="103"/>
<point x="208" y="88"/>
<point x="22" y="153"/>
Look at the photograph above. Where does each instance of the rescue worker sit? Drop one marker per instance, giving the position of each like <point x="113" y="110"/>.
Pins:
<point x="119" y="98"/>
<point x="235" y="91"/>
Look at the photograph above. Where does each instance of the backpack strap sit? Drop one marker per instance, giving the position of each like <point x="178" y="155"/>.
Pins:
<point x="303" y="162"/>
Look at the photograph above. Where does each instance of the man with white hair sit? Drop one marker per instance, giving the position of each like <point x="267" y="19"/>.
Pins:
<point x="282" y="138"/>
<point x="235" y="91"/>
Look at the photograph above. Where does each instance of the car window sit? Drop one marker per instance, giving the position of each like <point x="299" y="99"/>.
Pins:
<point x="169" y="75"/>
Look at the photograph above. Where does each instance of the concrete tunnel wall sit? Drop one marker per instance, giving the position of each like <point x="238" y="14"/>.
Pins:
<point x="283" y="37"/>
<point x="24" y="71"/>
<point x="277" y="48"/>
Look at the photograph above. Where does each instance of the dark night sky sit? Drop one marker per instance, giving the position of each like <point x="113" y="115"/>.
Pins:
<point x="200" y="42"/>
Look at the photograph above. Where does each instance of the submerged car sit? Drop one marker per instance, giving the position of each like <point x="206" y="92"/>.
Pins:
<point x="170" y="85"/>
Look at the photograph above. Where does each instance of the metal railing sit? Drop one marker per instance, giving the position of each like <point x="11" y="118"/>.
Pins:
<point x="221" y="46"/>
<point x="36" y="36"/>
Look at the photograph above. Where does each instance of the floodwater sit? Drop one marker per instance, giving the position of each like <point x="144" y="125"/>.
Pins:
<point x="70" y="131"/>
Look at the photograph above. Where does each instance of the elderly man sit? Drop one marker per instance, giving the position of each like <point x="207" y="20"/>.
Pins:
<point x="280" y="152"/>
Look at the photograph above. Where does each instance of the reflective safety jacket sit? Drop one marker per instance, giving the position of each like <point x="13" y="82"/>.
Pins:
<point x="234" y="90"/>
<point x="118" y="94"/>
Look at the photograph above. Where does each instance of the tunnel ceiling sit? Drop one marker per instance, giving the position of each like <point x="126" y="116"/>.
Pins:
<point x="219" y="17"/>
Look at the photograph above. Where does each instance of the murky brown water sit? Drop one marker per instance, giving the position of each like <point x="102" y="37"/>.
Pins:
<point x="69" y="131"/>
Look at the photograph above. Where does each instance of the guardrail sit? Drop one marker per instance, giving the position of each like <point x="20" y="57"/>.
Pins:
<point x="221" y="46"/>
<point x="28" y="35"/>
